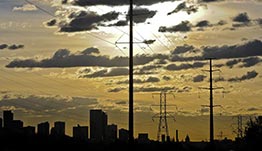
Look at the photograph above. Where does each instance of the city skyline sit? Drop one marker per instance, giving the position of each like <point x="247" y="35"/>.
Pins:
<point x="60" y="59"/>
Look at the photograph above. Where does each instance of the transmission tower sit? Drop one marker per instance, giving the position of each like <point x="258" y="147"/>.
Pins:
<point x="163" y="115"/>
<point x="239" y="129"/>
<point x="211" y="106"/>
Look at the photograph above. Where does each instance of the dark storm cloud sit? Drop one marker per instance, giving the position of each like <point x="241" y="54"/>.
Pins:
<point x="249" y="75"/>
<point x="117" y="2"/>
<point x="184" y="26"/>
<point x="111" y="72"/>
<point x="184" y="66"/>
<point x="199" y="78"/>
<point x="120" y="23"/>
<point x="183" y="7"/>
<point x="86" y="20"/>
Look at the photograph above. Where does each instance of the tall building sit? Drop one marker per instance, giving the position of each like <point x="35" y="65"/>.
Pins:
<point x="123" y="135"/>
<point x="98" y="124"/>
<point x="1" y="122"/>
<point x="58" y="129"/>
<point x="111" y="133"/>
<point x="8" y="118"/>
<point x="80" y="133"/>
<point x="43" y="129"/>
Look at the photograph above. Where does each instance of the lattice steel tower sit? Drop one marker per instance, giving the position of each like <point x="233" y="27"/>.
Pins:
<point x="163" y="115"/>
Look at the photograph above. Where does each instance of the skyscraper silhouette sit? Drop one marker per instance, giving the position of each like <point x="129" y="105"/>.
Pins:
<point x="98" y="124"/>
<point x="43" y="129"/>
<point x="8" y="118"/>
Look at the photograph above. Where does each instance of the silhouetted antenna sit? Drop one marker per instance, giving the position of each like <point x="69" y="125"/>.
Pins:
<point x="211" y="106"/>
<point x="163" y="115"/>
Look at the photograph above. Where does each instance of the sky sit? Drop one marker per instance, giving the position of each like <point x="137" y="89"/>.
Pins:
<point x="61" y="58"/>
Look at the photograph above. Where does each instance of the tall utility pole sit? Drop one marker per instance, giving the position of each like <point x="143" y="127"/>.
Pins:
<point x="211" y="106"/>
<point x="162" y="116"/>
<point x="131" y="87"/>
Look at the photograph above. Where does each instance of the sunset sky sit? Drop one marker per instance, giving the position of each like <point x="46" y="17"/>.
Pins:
<point x="61" y="58"/>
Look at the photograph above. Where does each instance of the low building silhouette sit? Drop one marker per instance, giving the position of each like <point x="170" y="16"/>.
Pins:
<point x="111" y="133"/>
<point x="143" y="138"/>
<point x="123" y="135"/>
<point x="29" y="131"/>
<point x="16" y="124"/>
<point x="43" y="129"/>
<point x="80" y="133"/>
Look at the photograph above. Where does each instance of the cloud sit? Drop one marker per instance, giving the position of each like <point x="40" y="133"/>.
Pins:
<point x="249" y="75"/>
<point x="203" y="23"/>
<point x="25" y="7"/>
<point x="51" y="22"/>
<point x="199" y="78"/>
<point x="116" y="2"/>
<point x="242" y="18"/>
<point x="166" y="78"/>
<point x="142" y="14"/>
<point x="184" y="26"/>
<point x="64" y="58"/>
<point x="114" y="90"/>
<point x="183" y="7"/>
<point x="85" y="20"/>
<point x="251" y="48"/>
<point x="52" y="106"/>
<point x="246" y="62"/>
<point x="3" y="46"/>
<point x="147" y="69"/>
<point x="14" y="47"/>
<point x="184" y="66"/>
<point x="154" y="88"/>
<point x="111" y="72"/>
<point x="89" y="51"/>
<point x="149" y="79"/>
<point x="11" y="47"/>
<point x="183" y="49"/>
